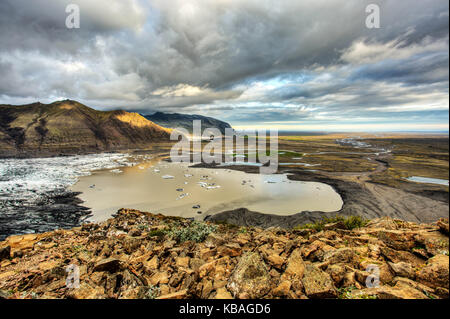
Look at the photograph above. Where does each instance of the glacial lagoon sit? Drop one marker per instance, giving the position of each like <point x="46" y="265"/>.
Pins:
<point x="179" y="190"/>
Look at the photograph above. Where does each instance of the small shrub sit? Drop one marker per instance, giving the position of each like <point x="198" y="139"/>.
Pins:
<point x="158" y="233"/>
<point x="349" y="223"/>
<point x="152" y="292"/>
<point x="345" y="292"/>
<point x="195" y="231"/>
<point x="353" y="222"/>
<point x="243" y="230"/>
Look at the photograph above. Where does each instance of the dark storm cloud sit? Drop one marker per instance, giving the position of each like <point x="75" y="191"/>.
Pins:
<point x="419" y="69"/>
<point x="278" y="60"/>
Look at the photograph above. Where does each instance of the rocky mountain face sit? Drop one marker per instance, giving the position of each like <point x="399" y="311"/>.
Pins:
<point x="141" y="255"/>
<point x="176" y="120"/>
<point x="68" y="127"/>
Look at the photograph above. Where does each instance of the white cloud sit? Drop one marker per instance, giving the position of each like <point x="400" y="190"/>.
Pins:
<point x="365" y="52"/>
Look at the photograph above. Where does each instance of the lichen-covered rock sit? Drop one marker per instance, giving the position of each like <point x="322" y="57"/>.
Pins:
<point x="387" y="292"/>
<point x="317" y="283"/>
<point x="435" y="242"/>
<point x="250" y="278"/>
<point x="182" y="294"/>
<point x="435" y="273"/>
<point x="282" y="290"/>
<point x="396" y="256"/>
<point x="85" y="291"/>
<point x="223" y="293"/>
<point x="295" y="265"/>
<point x="337" y="273"/>
<point x="402" y="269"/>
<point x="397" y="239"/>
<point x="341" y="255"/>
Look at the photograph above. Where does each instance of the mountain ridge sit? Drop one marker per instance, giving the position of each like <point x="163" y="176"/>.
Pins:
<point x="179" y="120"/>
<point x="71" y="127"/>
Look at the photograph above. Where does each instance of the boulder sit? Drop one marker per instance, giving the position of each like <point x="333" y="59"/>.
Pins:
<point x="48" y="265"/>
<point x="435" y="273"/>
<point x="131" y="244"/>
<point x="385" y="272"/>
<point x="110" y="264"/>
<point x="435" y="242"/>
<point x="182" y="262"/>
<point x="206" y="288"/>
<point x="295" y="265"/>
<point x="317" y="283"/>
<point x="232" y="250"/>
<point x="85" y="291"/>
<point x="250" y="278"/>
<point x="158" y="278"/>
<point x="397" y="239"/>
<point x="4" y="294"/>
<point x="282" y="290"/>
<point x="443" y="225"/>
<point x="402" y="269"/>
<point x="337" y="273"/>
<point x="341" y="255"/>
<point x="207" y="253"/>
<point x="350" y="280"/>
<point x="401" y="281"/>
<point x="5" y="252"/>
<point x="316" y="250"/>
<point x="134" y="232"/>
<point x="207" y="268"/>
<point x="275" y="260"/>
<point x="151" y="264"/>
<point x="396" y="256"/>
<point x="182" y="294"/>
<point x="223" y="293"/>
<point x="387" y="292"/>
<point x="214" y="240"/>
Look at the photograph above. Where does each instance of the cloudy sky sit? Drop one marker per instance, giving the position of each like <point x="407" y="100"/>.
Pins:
<point x="290" y="64"/>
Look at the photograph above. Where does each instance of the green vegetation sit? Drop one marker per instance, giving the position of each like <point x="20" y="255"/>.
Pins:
<point x="195" y="231"/>
<point x="290" y="154"/>
<point x="152" y="292"/>
<point x="349" y="223"/>
<point x="243" y="230"/>
<point x="346" y="293"/>
<point x="157" y="233"/>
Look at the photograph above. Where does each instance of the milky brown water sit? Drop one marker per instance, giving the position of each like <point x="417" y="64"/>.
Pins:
<point x="175" y="189"/>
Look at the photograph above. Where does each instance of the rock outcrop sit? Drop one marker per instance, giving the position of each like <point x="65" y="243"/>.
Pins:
<point x="137" y="255"/>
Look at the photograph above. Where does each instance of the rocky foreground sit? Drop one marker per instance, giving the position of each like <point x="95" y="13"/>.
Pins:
<point x="141" y="255"/>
